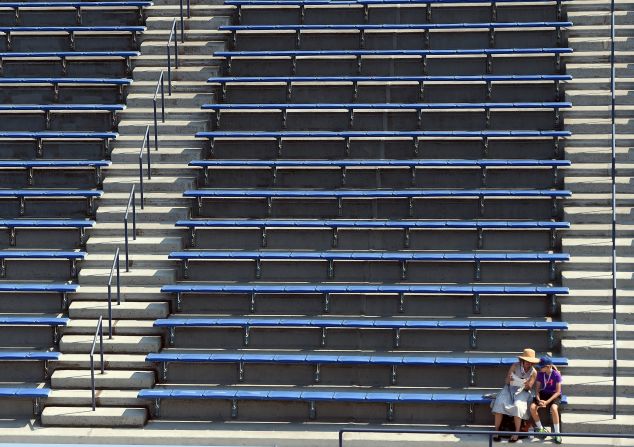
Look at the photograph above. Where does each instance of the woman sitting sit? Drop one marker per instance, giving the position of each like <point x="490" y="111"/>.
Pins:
<point x="514" y="399"/>
<point x="548" y="395"/>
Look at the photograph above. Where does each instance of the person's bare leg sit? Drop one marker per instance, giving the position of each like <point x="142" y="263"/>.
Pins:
<point x="554" y="411"/>
<point x="534" y="413"/>
<point x="498" y="420"/>
<point x="518" y="424"/>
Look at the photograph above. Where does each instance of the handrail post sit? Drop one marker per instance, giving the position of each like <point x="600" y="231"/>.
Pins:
<point x="131" y="199"/>
<point x="98" y="331"/>
<point x="182" y="22"/>
<point x="169" y="71"/>
<point x="115" y="264"/>
<point x="118" y="278"/>
<point x="162" y="98"/>
<point x="613" y="203"/>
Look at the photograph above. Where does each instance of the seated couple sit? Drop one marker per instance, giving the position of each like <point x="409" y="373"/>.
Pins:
<point x="526" y="391"/>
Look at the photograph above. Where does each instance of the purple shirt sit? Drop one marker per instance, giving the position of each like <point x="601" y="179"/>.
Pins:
<point x="549" y="382"/>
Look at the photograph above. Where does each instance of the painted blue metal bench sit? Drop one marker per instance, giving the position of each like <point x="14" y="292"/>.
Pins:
<point x="420" y="108"/>
<point x="488" y="53"/>
<point x="49" y="109"/>
<point x="31" y="165"/>
<point x="396" y="325"/>
<point x="72" y="31"/>
<point x="53" y="322"/>
<point x="371" y="194"/>
<point x="311" y="397"/>
<point x="71" y="256"/>
<point x="29" y="355"/>
<point x="317" y="359"/>
<point x="406" y="225"/>
<point x="48" y="224"/>
<point x="40" y="136"/>
<point x="415" y="135"/>
<point x="363" y="2"/>
<point x="412" y="164"/>
<point x="327" y="289"/>
<point x="395" y="26"/>
<point x="63" y="56"/>
<point x="402" y="257"/>
<point x="23" y="194"/>
<point x="26" y="287"/>
<point x="36" y="394"/>
<point x="119" y="83"/>
<point x="355" y="80"/>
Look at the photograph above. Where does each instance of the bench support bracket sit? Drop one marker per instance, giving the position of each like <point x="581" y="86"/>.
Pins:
<point x="317" y="375"/>
<point x="473" y="339"/>
<point x="476" y="303"/>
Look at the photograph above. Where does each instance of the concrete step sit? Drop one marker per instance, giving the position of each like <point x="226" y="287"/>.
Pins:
<point x="167" y="157"/>
<point x="182" y="126"/>
<point x="598" y="367"/>
<point x="134" y="362"/>
<point x="136" y="276"/>
<point x="186" y="100"/>
<point x="142" y="245"/>
<point x="597" y="279"/>
<point x="586" y="385"/>
<point x="182" y="74"/>
<point x="159" y="183"/>
<point x="190" y="47"/>
<point x="597" y="314"/>
<point x="597" y="199"/>
<point x="151" y="199"/>
<point x="192" y="24"/>
<point x="102" y="417"/>
<point x="596" y="349"/>
<point x="594" y="422"/>
<point x="600" y="230"/>
<point x="594" y="214"/>
<point x="602" y="404"/>
<point x="82" y="310"/>
<point x="137" y="260"/>
<point x="129" y="293"/>
<point x="185" y="60"/>
<point x="117" y="379"/>
<point x="579" y="327"/>
<point x="168" y="140"/>
<point x="149" y="87"/>
<point x="119" y="327"/>
<point x="598" y="246"/>
<point x="146" y="230"/>
<point x="104" y="398"/>
<point x="152" y="214"/>
<point x="207" y="10"/>
<point x="123" y="344"/>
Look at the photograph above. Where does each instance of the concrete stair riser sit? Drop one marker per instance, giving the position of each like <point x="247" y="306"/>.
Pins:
<point x="85" y="417"/>
<point x="136" y="276"/>
<point x="82" y="344"/>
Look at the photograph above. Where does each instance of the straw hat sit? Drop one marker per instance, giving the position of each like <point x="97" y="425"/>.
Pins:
<point x="528" y="355"/>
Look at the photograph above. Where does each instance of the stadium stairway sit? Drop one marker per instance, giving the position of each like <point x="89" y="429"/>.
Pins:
<point x="142" y="301"/>
<point x="588" y="308"/>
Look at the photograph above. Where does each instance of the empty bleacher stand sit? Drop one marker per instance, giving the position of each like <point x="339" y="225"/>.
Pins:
<point x="375" y="229"/>
<point x="64" y="72"/>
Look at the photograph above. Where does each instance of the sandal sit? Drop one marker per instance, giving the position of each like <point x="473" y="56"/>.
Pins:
<point x="514" y="438"/>
<point x="497" y="438"/>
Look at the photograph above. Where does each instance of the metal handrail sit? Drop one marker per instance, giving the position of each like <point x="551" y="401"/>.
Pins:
<point x="131" y="200"/>
<point x="172" y="37"/>
<point x="146" y="144"/>
<point x="160" y="83"/>
<point x="98" y="331"/>
<point x="189" y="15"/>
<point x="613" y="203"/>
<point x="115" y="264"/>
<point x="489" y="433"/>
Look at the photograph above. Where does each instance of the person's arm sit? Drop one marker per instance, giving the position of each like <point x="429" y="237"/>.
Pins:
<point x="555" y="395"/>
<point x="531" y="381"/>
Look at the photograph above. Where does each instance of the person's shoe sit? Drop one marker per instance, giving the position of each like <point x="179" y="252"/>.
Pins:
<point x="557" y="439"/>
<point x="541" y="433"/>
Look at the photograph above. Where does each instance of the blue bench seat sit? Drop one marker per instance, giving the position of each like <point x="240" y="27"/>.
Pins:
<point x="31" y="287"/>
<point x="365" y="2"/>
<point x="396" y="325"/>
<point x="71" y="29"/>
<point x="34" y="393"/>
<point x="395" y="26"/>
<point x="67" y="54"/>
<point x="40" y="136"/>
<point x="416" y="53"/>
<point x="363" y="224"/>
<point x="31" y="165"/>
<point x="61" y="194"/>
<point x="68" y="81"/>
<point x="391" y="106"/>
<point x="386" y="134"/>
<point x="47" y="224"/>
<point x="315" y="395"/>
<point x="29" y="355"/>
<point x="449" y="79"/>
<point x="71" y="256"/>
<point x="63" y="4"/>
<point x="318" y="359"/>
<point x="400" y="290"/>
<point x="379" y="163"/>
<point x="61" y="107"/>
<point x="33" y="321"/>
